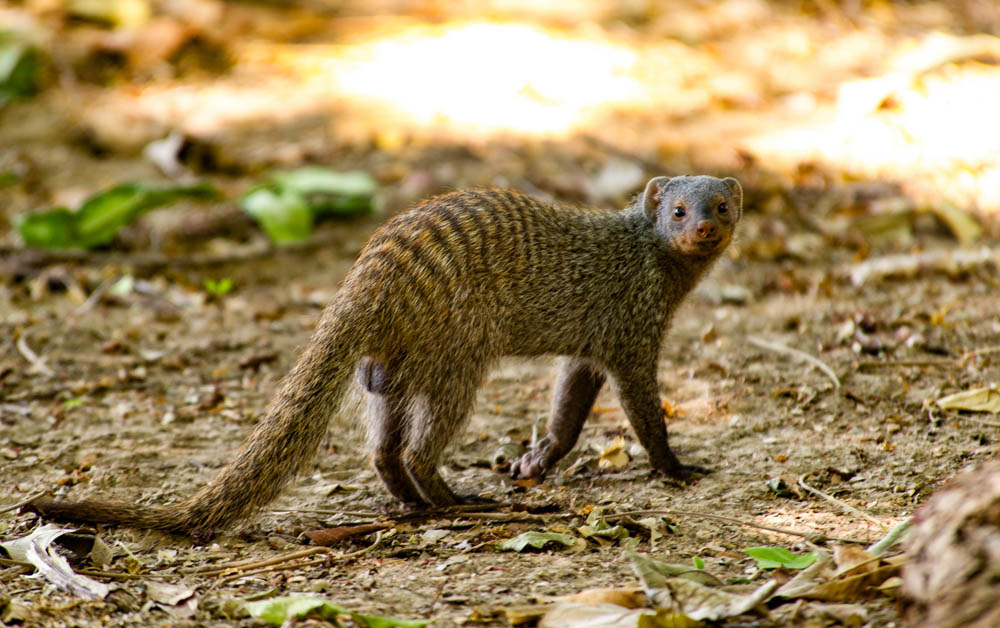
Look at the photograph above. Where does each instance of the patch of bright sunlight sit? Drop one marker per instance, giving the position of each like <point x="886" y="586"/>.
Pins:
<point x="935" y="122"/>
<point x="489" y="76"/>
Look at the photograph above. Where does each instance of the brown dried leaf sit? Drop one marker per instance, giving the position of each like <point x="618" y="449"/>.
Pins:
<point x="331" y="536"/>
<point x="628" y="598"/>
<point x="851" y="560"/>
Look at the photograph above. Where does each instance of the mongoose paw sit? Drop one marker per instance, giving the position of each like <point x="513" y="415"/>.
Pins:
<point x="533" y="464"/>
<point x="474" y="499"/>
<point x="684" y="471"/>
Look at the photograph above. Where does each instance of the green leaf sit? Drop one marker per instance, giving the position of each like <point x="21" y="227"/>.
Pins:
<point x="279" y="610"/>
<point x="218" y="287"/>
<point x="372" y="621"/>
<point x="288" y="205"/>
<point x="20" y="64"/>
<point x="698" y="562"/>
<point x="774" y="557"/>
<point x="100" y="217"/>
<point x="283" y="214"/>
<point x="54" y="229"/>
<point x="315" y="180"/>
<point x="537" y="540"/>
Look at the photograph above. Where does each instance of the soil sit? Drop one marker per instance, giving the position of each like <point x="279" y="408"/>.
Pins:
<point x="145" y="393"/>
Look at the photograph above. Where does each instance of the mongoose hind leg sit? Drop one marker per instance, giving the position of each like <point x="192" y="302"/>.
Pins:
<point x="444" y="413"/>
<point x="640" y="399"/>
<point x="576" y="388"/>
<point x="387" y="416"/>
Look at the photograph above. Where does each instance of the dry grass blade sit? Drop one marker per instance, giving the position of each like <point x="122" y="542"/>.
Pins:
<point x="845" y="506"/>
<point x="38" y="364"/>
<point x="802" y="355"/>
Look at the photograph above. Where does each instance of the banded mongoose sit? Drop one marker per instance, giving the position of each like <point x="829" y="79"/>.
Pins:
<point x="437" y="296"/>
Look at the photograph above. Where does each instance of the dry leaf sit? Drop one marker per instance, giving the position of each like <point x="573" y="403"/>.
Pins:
<point x="628" y="598"/>
<point x="331" y="536"/>
<point x="697" y="601"/>
<point x="614" y="456"/>
<point x="851" y="560"/>
<point x="975" y="400"/>
<point x="568" y="615"/>
<point x="36" y="548"/>
<point x="169" y="594"/>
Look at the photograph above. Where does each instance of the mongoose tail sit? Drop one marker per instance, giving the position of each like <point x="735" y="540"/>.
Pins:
<point x="277" y="449"/>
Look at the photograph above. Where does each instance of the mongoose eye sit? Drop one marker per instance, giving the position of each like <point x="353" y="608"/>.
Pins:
<point x="679" y="212"/>
<point x="723" y="208"/>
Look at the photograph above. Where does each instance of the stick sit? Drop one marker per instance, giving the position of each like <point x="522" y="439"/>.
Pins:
<point x="891" y="538"/>
<point x="23" y="502"/>
<point x="802" y="355"/>
<point x="814" y="537"/>
<point x="844" y="505"/>
<point x="247" y="574"/>
<point x="215" y="570"/>
<point x="37" y="363"/>
<point x="876" y="364"/>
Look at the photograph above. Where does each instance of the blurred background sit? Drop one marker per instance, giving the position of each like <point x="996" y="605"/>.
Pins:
<point x="859" y="120"/>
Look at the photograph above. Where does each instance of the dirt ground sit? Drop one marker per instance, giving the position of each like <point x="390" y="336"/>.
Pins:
<point x="143" y="394"/>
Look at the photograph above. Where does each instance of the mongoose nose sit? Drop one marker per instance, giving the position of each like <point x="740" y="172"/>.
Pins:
<point x="707" y="229"/>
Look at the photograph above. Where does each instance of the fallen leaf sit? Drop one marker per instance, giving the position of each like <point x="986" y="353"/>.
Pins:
<point x="36" y="548"/>
<point x="697" y="601"/>
<point x="615" y="456"/>
<point x="654" y="574"/>
<point x="628" y="598"/>
<point x="851" y="560"/>
<point x="331" y="536"/>
<point x="567" y="615"/>
<point x="165" y="593"/>
<point x="537" y="540"/>
<point x="975" y="400"/>
<point x="281" y="609"/>
<point x="775" y="557"/>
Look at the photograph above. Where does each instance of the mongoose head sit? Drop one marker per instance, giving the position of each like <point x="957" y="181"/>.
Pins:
<point x="694" y="215"/>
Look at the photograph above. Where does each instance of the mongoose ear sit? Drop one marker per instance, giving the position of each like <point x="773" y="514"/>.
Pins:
<point x="651" y="196"/>
<point x="737" y="191"/>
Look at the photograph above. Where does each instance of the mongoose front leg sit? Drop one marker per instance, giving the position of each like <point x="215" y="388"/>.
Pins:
<point x="641" y="401"/>
<point x="576" y="388"/>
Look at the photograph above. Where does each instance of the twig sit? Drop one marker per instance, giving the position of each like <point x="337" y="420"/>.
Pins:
<point x="18" y="563"/>
<point x="24" y="502"/>
<point x="853" y="566"/>
<point x="975" y="353"/>
<point x="112" y="576"/>
<point x="814" y="537"/>
<point x="890" y="363"/>
<point x="878" y="548"/>
<point x="246" y="574"/>
<point x="92" y="300"/>
<point x="802" y="355"/>
<point x="214" y="570"/>
<point x="844" y="505"/>
<point x="37" y="363"/>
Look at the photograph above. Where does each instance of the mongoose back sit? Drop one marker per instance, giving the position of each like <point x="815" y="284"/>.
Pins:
<point x="436" y="297"/>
